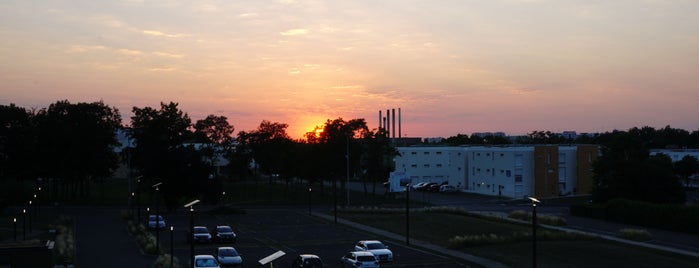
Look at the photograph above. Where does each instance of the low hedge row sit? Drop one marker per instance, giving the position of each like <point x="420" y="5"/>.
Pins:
<point x="671" y="217"/>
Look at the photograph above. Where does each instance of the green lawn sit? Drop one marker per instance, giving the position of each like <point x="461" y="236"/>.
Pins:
<point x="437" y="228"/>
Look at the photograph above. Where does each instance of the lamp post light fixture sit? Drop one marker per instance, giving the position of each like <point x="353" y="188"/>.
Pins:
<point x="138" y="198"/>
<point x="534" y="202"/>
<point x="191" y="230"/>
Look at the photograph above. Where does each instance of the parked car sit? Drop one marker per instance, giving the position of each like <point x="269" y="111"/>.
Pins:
<point x="425" y="187"/>
<point x="224" y="233"/>
<point x="207" y="261"/>
<point x="418" y="185"/>
<point x="359" y="259"/>
<point x="447" y="189"/>
<point x="380" y="251"/>
<point x="307" y="261"/>
<point x="156" y="220"/>
<point x="201" y="234"/>
<point x="228" y="257"/>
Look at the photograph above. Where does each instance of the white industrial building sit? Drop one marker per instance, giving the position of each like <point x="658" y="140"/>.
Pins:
<point x="508" y="171"/>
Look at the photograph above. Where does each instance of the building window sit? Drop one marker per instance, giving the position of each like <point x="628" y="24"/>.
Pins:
<point x="426" y="165"/>
<point x="439" y="165"/>
<point x="561" y="158"/>
<point x="413" y="153"/>
<point x="508" y="173"/>
<point x="518" y="178"/>
<point x="519" y="158"/>
<point x="439" y="152"/>
<point x="413" y="166"/>
<point x="426" y="153"/>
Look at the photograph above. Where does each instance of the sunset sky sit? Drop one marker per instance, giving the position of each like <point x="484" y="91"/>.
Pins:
<point x="451" y="66"/>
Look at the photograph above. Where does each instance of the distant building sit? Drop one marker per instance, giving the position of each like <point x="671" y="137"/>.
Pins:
<point x="570" y="135"/>
<point x="676" y="154"/>
<point x="508" y="171"/>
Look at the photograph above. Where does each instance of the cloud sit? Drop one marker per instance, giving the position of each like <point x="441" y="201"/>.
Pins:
<point x="84" y="48"/>
<point x="162" y="69"/>
<point x="159" y="33"/>
<point x="167" y="55"/>
<point x="293" y="32"/>
<point x="130" y="52"/>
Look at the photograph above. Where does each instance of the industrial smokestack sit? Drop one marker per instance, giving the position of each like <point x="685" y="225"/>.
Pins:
<point x="380" y="122"/>
<point x="399" y="128"/>
<point x="393" y="113"/>
<point x="388" y="123"/>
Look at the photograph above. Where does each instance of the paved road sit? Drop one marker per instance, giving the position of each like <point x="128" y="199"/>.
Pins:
<point x="103" y="241"/>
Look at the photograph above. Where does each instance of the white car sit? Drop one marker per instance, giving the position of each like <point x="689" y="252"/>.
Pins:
<point x="359" y="259"/>
<point x="447" y="189"/>
<point x="418" y="185"/>
<point x="380" y="251"/>
<point x="153" y="222"/>
<point x="228" y="257"/>
<point x="208" y="261"/>
<point x="201" y="234"/>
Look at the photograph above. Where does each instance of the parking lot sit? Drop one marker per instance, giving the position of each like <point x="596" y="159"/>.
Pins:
<point x="262" y="232"/>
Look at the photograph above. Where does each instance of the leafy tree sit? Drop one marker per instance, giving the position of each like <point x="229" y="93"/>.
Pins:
<point x="688" y="166"/>
<point x="459" y="139"/>
<point x="17" y="145"/>
<point x="268" y="145"/>
<point x="160" y="153"/>
<point x="214" y="129"/>
<point x="625" y="170"/>
<point x="76" y="143"/>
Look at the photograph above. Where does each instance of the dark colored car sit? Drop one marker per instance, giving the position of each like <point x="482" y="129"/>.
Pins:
<point x="201" y="235"/>
<point x="307" y="261"/>
<point x="224" y="233"/>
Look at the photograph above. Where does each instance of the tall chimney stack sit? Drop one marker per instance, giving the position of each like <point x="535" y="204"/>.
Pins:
<point x="399" y="128"/>
<point x="393" y="113"/>
<point x="388" y="123"/>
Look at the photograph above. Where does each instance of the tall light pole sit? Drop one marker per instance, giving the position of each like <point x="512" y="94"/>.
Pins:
<point x="309" y="201"/>
<point x="191" y="230"/>
<point x="157" y="216"/>
<point x="172" y="245"/>
<point x="348" y="172"/>
<point x="24" y="224"/>
<point x="14" y="223"/>
<point x="534" y="202"/>
<point x="407" y="214"/>
<point x="30" y="215"/>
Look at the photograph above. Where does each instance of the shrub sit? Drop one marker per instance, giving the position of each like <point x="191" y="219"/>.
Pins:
<point x="163" y="261"/>
<point x="489" y="239"/>
<point x="635" y="234"/>
<point x="541" y="218"/>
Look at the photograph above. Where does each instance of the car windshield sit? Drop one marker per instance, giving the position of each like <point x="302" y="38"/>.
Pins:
<point x="227" y="252"/>
<point x="365" y="258"/>
<point x="152" y="218"/>
<point x="375" y="246"/>
<point x="224" y="229"/>
<point x="200" y="230"/>
<point x="206" y="262"/>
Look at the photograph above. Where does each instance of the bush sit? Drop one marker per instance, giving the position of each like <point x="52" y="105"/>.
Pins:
<point x="163" y="261"/>
<point x="541" y="218"/>
<point x="490" y="239"/>
<point x="635" y="234"/>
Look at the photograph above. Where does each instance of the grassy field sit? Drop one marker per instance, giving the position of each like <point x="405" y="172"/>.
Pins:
<point x="438" y="228"/>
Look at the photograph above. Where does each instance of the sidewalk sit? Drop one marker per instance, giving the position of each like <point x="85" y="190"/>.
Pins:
<point x="416" y="243"/>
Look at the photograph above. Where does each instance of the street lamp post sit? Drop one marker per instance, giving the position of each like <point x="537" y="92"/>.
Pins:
<point x="534" y="202"/>
<point x="14" y="223"/>
<point x="191" y="229"/>
<point x="157" y="216"/>
<point x="309" y="201"/>
<point x="30" y="215"/>
<point x="172" y="245"/>
<point x="138" y="198"/>
<point x="24" y="224"/>
<point x="407" y="214"/>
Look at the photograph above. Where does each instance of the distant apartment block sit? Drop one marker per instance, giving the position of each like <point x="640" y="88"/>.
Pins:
<point x="676" y="154"/>
<point x="508" y="171"/>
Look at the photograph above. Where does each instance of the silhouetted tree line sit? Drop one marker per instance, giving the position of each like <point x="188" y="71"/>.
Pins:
<point x="70" y="146"/>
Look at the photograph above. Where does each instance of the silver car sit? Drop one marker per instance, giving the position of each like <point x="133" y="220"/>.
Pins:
<point x="381" y="251"/>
